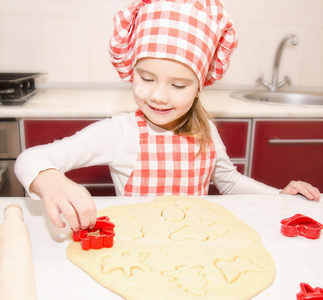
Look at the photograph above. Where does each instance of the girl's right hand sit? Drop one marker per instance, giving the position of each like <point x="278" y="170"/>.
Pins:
<point x="303" y="188"/>
<point x="62" y="195"/>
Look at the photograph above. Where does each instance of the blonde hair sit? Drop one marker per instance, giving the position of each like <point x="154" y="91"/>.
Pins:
<point x="195" y="123"/>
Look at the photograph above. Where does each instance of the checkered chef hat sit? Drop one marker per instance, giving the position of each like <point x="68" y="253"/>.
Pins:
<point x="198" y="33"/>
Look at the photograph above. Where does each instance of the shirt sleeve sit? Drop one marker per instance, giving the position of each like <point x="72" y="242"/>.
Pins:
<point x="97" y="144"/>
<point x="226" y="177"/>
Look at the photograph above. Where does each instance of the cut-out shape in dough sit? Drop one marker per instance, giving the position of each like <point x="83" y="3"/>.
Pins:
<point x="173" y="214"/>
<point x="189" y="232"/>
<point x="125" y="263"/>
<point x="210" y="219"/>
<point x="217" y="230"/>
<point x="233" y="269"/>
<point x="190" y="279"/>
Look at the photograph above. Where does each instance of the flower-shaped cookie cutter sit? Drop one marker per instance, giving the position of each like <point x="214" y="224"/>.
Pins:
<point x="103" y="240"/>
<point x="308" y="293"/>
<point x="301" y="225"/>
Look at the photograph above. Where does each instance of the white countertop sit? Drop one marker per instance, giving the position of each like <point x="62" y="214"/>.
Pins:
<point x="297" y="259"/>
<point x="105" y="102"/>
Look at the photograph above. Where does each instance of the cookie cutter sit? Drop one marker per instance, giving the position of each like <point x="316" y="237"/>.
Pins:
<point x="308" y="293"/>
<point x="301" y="225"/>
<point x="102" y="240"/>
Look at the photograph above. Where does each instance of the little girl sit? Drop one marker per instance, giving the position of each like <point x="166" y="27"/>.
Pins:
<point x="169" y="50"/>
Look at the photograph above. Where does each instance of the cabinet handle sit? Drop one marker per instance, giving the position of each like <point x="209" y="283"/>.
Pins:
<point x="296" y="141"/>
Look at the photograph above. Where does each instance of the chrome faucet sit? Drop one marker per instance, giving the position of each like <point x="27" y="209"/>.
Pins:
<point x="275" y="85"/>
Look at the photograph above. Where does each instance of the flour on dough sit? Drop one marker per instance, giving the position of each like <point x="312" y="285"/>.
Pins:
<point x="178" y="248"/>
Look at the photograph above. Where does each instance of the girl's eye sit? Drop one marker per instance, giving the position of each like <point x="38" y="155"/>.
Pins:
<point x="179" y="86"/>
<point x="146" y="79"/>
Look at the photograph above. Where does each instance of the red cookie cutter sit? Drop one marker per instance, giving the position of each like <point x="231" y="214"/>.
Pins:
<point x="308" y="293"/>
<point x="301" y="225"/>
<point x="103" y="240"/>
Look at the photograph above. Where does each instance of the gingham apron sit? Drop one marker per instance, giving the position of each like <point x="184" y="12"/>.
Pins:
<point x="168" y="165"/>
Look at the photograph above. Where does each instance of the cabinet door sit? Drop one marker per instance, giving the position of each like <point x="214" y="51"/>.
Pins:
<point x="285" y="150"/>
<point x="235" y="135"/>
<point x="38" y="132"/>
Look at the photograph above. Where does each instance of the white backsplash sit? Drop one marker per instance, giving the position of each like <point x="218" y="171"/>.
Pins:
<point x="68" y="39"/>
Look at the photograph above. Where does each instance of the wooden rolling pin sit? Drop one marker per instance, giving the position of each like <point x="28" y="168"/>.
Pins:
<point x="17" y="279"/>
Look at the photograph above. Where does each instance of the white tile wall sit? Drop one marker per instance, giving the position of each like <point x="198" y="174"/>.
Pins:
<point x="68" y="39"/>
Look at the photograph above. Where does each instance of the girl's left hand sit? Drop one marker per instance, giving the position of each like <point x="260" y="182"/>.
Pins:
<point x="303" y="188"/>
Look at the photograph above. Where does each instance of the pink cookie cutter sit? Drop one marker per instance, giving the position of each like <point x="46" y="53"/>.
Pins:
<point x="103" y="240"/>
<point x="308" y="293"/>
<point x="301" y="225"/>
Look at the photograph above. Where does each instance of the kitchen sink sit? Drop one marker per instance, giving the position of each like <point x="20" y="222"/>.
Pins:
<point x="291" y="98"/>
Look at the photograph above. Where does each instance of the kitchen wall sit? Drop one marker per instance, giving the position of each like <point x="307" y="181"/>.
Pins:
<point x="68" y="39"/>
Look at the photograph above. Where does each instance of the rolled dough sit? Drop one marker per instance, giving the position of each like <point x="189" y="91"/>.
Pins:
<point x="178" y="248"/>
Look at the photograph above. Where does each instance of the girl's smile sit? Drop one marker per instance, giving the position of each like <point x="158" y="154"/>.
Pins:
<point x="160" y="110"/>
<point x="164" y="90"/>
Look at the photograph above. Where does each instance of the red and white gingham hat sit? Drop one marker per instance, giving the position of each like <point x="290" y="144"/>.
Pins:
<point x="198" y="33"/>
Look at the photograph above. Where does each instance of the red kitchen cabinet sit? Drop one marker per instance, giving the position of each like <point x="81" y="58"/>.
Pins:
<point x="285" y="150"/>
<point x="235" y="134"/>
<point x="96" y="179"/>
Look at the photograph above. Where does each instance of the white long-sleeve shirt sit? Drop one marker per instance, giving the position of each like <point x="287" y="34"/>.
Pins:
<point x="115" y="142"/>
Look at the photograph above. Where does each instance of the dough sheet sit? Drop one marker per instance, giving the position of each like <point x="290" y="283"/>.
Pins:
<point x="178" y="248"/>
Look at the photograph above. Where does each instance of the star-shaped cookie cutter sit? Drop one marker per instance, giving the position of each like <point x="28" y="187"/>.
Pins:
<point x="301" y="225"/>
<point x="309" y="293"/>
<point x="102" y="240"/>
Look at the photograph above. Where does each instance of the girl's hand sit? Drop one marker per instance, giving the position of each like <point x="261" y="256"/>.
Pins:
<point x="62" y="195"/>
<point x="303" y="188"/>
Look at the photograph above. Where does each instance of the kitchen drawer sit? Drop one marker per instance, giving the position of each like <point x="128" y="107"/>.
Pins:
<point x="38" y="132"/>
<point x="285" y="150"/>
<point x="101" y="190"/>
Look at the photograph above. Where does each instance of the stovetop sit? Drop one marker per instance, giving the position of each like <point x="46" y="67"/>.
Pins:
<point x="18" y="88"/>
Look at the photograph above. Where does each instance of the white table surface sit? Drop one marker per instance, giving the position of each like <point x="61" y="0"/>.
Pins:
<point x="297" y="259"/>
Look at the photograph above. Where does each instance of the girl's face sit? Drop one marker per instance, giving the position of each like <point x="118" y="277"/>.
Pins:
<point x="164" y="90"/>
